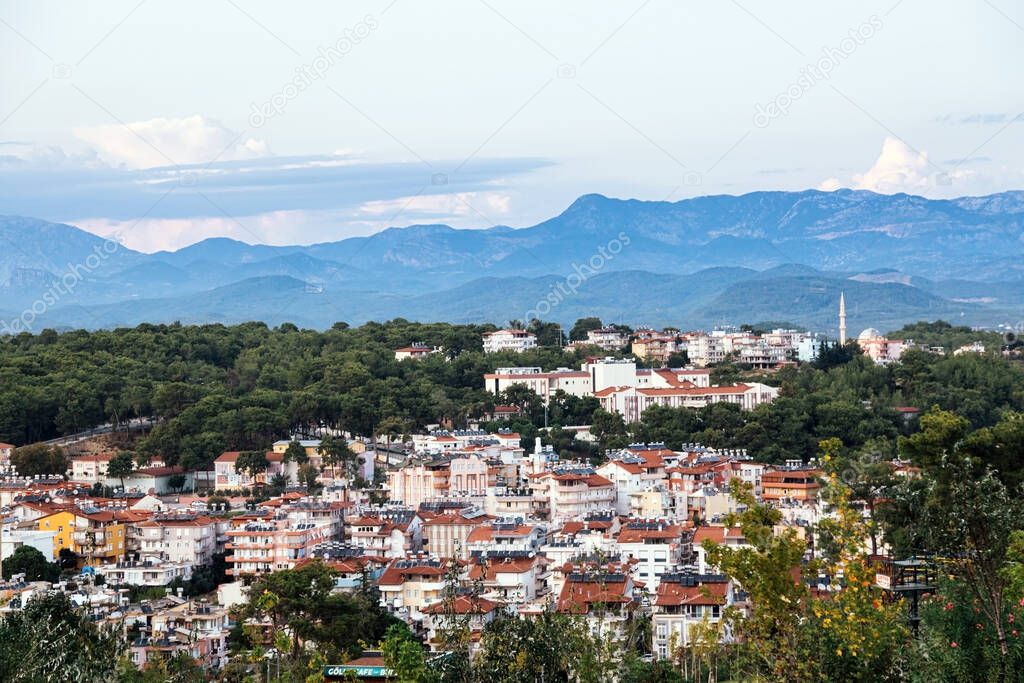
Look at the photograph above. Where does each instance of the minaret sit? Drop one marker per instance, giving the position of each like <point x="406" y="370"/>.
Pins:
<point x="842" y="318"/>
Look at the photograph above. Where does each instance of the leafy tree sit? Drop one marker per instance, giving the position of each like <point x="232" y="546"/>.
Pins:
<point x="51" y="640"/>
<point x="404" y="655"/>
<point x="39" y="459"/>
<point x="121" y="466"/>
<point x="177" y="481"/>
<point x="296" y="453"/>
<point x="252" y="463"/>
<point x="308" y="476"/>
<point x="608" y="428"/>
<point x="32" y="563"/>
<point x="304" y="601"/>
<point x="579" y="330"/>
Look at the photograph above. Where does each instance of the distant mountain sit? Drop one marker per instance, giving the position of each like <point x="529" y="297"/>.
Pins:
<point x="699" y="262"/>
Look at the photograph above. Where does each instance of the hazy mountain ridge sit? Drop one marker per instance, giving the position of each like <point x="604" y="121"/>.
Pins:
<point x="763" y="255"/>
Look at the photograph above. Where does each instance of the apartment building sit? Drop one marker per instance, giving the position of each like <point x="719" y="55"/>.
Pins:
<point x="564" y="493"/>
<point x="181" y="537"/>
<point x="258" y="546"/>
<point x="654" y="547"/>
<point x="631" y="402"/>
<point x="684" y="601"/>
<point x="544" y="384"/>
<point x="408" y="585"/>
<point x="509" y="340"/>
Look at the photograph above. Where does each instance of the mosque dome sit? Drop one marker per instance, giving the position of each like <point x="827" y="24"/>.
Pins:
<point x="870" y="333"/>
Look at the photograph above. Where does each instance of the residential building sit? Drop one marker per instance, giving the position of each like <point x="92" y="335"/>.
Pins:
<point x="228" y="478"/>
<point x="683" y="601"/>
<point x="509" y="340"/>
<point x="654" y="548"/>
<point x="544" y="384"/>
<point x="181" y="537"/>
<point x="447" y="535"/>
<point x="800" y="485"/>
<point x="631" y="402"/>
<point x="386" y="532"/>
<point x="409" y="585"/>
<point x="258" y="546"/>
<point x="416" y="351"/>
<point x="474" y="611"/>
<point x="6" y="451"/>
<point x="564" y="493"/>
<point x="608" y="338"/>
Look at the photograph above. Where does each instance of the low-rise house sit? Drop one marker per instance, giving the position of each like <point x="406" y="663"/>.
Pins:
<point x="800" y="485"/>
<point x="731" y="537"/>
<point x="684" y="601"/>
<point x="6" y="451"/>
<point x="228" y="478"/>
<point x="416" y="351"/>
<point x="90" y="469"/>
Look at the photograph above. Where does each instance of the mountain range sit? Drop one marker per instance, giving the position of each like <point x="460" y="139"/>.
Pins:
<point x="698" y="262"/>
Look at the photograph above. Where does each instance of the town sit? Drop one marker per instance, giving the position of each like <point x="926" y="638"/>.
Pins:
<point x="475" y="523"/>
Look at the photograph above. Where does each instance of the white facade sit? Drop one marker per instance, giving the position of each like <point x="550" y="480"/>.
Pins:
<point x="509" y="340"/>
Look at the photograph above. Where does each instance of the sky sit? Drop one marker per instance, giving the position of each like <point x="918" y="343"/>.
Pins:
<point x="162" y="123"/>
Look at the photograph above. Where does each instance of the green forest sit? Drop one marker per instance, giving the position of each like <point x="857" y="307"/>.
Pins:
<point x="215" y="388"/>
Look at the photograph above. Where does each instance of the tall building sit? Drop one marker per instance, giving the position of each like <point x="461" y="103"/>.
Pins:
<point x="842" y="318"/>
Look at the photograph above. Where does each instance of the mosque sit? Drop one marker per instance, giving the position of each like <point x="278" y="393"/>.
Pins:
<point x="872" y="342"/>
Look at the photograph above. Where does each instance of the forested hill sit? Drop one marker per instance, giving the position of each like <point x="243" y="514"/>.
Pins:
<point x="217" y="388"/>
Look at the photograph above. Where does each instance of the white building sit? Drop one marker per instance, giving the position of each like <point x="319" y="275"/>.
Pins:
<point x="567" y="493"/>
<point x="509" y="340"/>
<point x="144" y="573"/>
<point x="608" y="338"/>
<point x="12" y="538"/>
<point x="544" y="384"/>
<point x="631" y="402"/>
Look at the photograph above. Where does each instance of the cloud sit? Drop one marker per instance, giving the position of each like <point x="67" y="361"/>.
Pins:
<point x="164" y="141"/>
<point x="457" y="204"/>
<point x="899" y="168"/>
<point x="983" y="118"/>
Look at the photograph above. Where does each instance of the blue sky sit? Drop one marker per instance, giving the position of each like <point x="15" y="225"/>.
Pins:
<point x="167" y="122"/>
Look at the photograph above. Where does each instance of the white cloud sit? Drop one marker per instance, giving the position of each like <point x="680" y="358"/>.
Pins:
<point x="897" y="169"/>
<point x="280" y="228"/>
<point x="479" y="205"/>
<point x="162" y="142"/>
<point x="900" y="168"/>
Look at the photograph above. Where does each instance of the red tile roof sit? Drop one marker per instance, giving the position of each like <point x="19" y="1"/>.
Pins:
<point x="671" y="594"/>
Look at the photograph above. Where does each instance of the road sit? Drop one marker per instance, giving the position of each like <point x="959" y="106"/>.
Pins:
<point x="135" y="425"/>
